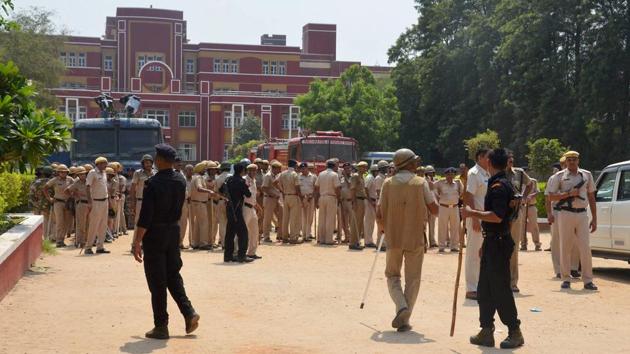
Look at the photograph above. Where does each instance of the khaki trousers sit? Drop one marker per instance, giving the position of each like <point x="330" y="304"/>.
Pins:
<point x="261" y="214"/>
<point x="448" y="224"/>
<point x="221" y="215"/>
<point x="368" y="223"/>
<point x="213" y="222"/>
<point x="574" y="230"/>
<point x="199" y="222"/>
<point x="359" y="214"/>
<point x="431" y="220"/>
<point x="292" y="215"/>
<point x="327" y="216"/>
<point x="271" y="206"/>
<point x="183" y="222"/>
<point x="555" y="249"/>
<point x="308" y="208"/>
<point x="516" y="230"/>
<point x="413" y="272"/>
<point x="82" y="213"/>
<point x="350" y="222"/>
<point x="532" y="226"/>
<point x="63" y="221"/>
<point x="97" y="224"/>
<point x="251" y="221"/>
<point x="123" y="217"/>
<point x="52" y="230"/>
<point x="473" y="261"/>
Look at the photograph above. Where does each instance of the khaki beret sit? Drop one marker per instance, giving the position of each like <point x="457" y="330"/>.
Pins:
<point x="571" y="154"/>
<point x="252" y="166"/>
<point x="100" y="159"/>
<point x="563" y="159"/>
<point x="362" y="164"/>
<point x="200" y="167"/>
<point x="62" y="168"/>
<point x="110" y="171"/>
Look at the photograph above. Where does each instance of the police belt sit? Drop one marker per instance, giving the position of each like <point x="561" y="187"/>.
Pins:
<point x="496" y="235"/>
<point x="60" y="200"/>
<point x="373" y="199"/>
<point x="99" y="200"/>
<point x="140" y="199"/>
<point x="248" y="205"/>
<point x="271" y="196"/>
<point x="449" y="205"/>
<point x="361" y="198"/>
<point x="82" y="201"/>
<point x="572" y="210"/>
<point x="216" y="202"/>
<point x="199" y="201"/>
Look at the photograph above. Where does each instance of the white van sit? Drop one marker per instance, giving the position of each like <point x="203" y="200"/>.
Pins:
<point x="612" y="237"/>
<point x="373" y="157"/>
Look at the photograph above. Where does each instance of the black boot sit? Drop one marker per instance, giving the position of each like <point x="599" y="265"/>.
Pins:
<point x="158" y="332"/>
<point x="192" y="323"/>
<point x="485" y="337"/>
<point x="513" y="340"/>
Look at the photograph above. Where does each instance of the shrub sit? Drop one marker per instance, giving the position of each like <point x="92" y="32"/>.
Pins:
<point x="14" y="189"/>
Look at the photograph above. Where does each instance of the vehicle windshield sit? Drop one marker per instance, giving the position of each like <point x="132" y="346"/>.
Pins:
<point x="315" y="151"/>
<point x="93" y="142"/>
<point x="343" y="150"/>
<point x="134" y="143"/>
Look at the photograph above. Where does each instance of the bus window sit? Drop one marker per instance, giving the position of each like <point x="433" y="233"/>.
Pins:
<point x="93" y="142"/>
<point x="134" y="143"/>
<point x="265" y="153"/>
<point x="342" y="150"/>
<point x="293" y="152"/>
<point x="315" y="151"/>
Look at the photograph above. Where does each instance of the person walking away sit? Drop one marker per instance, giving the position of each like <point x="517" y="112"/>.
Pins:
<point x="288" y="182"/>
<point x="494" y="291"/>
<point x="250" y="212"/>
<point x="476" y="187"/>
<point x="327" y="195"/>
<point x="348" y="218"/>
<point x="198" y="209"/>
<point x="448" y="191"/>
<point x="157" y="235"/>
<point x="96" y="182"/>
<point x="272" y="204"/>
<point x="405" y="199"/>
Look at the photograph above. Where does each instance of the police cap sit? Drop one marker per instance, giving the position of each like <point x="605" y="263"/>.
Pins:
<point x="80" y="170"/>
<point x="571" y="154"/>
<point x="165" y="151"/>
<point x="100" y="159"/>
<point x="450" y="170"/>
<point x="252" y="166"/>
<point x="276" y="164"/>
<point x="147" y="157"/>
<point x="258" y="160"/>
<point x="62" y="168"/>
<point x="382" y="164"/>
<point x="200" y="167"/>
<point x="110" y="171"/>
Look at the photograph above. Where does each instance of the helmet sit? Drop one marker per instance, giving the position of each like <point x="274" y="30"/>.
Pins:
<point x="88" y="167"/>
<point x="200" y="167"/>
<point x="382" y="164"/>
<point x="252" y="166"/>
<point x="62" y="168"/>
<point x="403" y="157"/>
<point x="246" y="161"/>
<point x="265" y="162"/>
<point x="73" y="170"/>
<point x="146" y="157"/>
<point x="80" y="170"/>
<point x="362" y="164"/>
<point x="110" y="171"/>
<point x="276" y="164"/>
<point x="374" y="168"/>
<point x="100" y="159"/>
<point x="429" y="169"/>
<point x="258" y="160"/>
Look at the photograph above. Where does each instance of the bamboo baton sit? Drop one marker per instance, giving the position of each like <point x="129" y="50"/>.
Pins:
<point x="459" y="271"/>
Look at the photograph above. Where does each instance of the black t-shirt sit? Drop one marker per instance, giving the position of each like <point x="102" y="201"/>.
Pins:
<point x="498" y="197"/>
<point x="237" y="191"/>
<point x="162" y="198"/>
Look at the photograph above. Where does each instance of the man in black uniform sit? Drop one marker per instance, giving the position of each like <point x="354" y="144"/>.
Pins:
<point x="494" y="293"/>
<point x="237" y="190"/>
<point x="158" y="236"/>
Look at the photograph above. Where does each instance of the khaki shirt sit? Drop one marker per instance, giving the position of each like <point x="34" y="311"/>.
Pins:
<point x="268" y="182"/>
<point x="113" y="187"/>
<point x="535" y="189"/>
<point x="518" y="177"/>
<point x="97" y="181"/>
<point x="448" y="193"/>
<point x="259" y="177"/>
<point x="59" y="186"/>
<point x="564" y="181"/>
<point x="346" y="190"/>
<point x="79" y="190"/>
<point x="198" y="181"/>
<point x="288" y="181"/>
<point x="138" y="179"/>
<point x="251" y="184"/>
<point x="357" y="184"/>
<point x="307" y="184"/>
<point x="328" y="182"/>
<point x="122" y="184"/>
<point x="403" y="204"/>
<point x="378" y="183"/>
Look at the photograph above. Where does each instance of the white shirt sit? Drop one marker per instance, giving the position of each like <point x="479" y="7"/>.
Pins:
<point x="251" y="184"/>
<point x="477" y="185"/>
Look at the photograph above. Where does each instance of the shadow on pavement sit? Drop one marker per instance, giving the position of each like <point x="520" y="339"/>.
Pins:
<point x="143" y="345"/>
<point x="394" y="337"/>
<point x="613" y="274"/>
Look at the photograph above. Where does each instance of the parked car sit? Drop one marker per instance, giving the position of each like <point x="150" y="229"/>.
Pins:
<point x="612" y="237"/>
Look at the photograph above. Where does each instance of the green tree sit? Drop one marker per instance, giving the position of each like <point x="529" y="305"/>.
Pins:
<point x="354" y="105"/>
<point x="6" y="6"/>
<point x="488" y="139"/>
<point x="34" y="47"/>
<point x="249" y="130"/>
<point x="27" y="134"/>
<point x="542" y="154"/>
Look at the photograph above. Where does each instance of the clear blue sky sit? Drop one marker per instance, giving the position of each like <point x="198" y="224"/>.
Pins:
<point x="365" y="28"/>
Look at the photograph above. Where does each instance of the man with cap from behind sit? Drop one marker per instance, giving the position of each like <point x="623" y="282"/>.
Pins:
<point x="157" y="234"/>
<point x="429" y="172"/>
<point x="327" y="195"/>
<point x="250" y="207"/>
<point x="405" y="201"/>
<point x="448" y="191"/>
<point x="198" y="208"/>
<point x="63" y="217"/>
<point x="357" y="182"/>
<point x="574" y="190"/>
<point x="307" y="189"/>
<point x="288" y="182"/>
<point x="137" y="184"/>
<point x="97" y="204"/>
<point x="78" y="190"/>
<point x="272" y="205"/>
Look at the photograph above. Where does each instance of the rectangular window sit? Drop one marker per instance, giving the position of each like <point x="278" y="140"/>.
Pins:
<point x="72" y="112"/>
<point x="160" y="114"/>
<point x="265" y="68"/>
<point x="282" y="68"/>
<point x="63" y="59"/>
<point x="217" y="65"/>
<point x="187" y="152"/>
<point x="226" y="151"/>
<point x="190" y="66"/>
<point x="140" y="63"/>
<point x="187" y="119"/>
<point x="606" y="186"/>
<point x="81" y="61"/>
<point x="274" y="68"/>
<point x="234" y="66"/>
<point x="285" y="121"/>
<point x="624" y="186"/>
<point x="295" y="120"/>
<point x="108" y="63"/>
<point x="227" y="119"/>
<point x="72" y="59"/>
<point x="226" y="66"/>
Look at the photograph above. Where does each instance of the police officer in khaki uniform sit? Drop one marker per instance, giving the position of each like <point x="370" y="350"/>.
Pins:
<point x="183" y="220"/>
<point x="122" y="195"/>
<point x="213" y="221"/>
<point x="250" y="207"/>
<point x="307" y="189"/>
<point x="220" y="207"/>
<point x="98" y="204"/>
<point x="347" y="216"/>
<point x="288" y="182"/>
<point x="532" y="219"/>
<point x="370" y="207"/>
<point x="198" y="208"/>
<point x="137" y="184"/>
<point x="327" y="195"/>
<point x="357" y="182"/>
<point x="260" y="164"/>
<point x="522" y="184"/>
<point x="78" y="191"/>
<point x="429" y="175"/>
<point x="448" y="192"/>
<point x="63" y="217"/>
<point x="405" y="199"/>
<point x="272" y="205"/>
<point x="574" y="190"/>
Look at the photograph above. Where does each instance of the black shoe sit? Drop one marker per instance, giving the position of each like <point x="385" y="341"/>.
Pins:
<point x="565" y="285"/>
<point x="192" y="323"/>
<point x="404" y="328"/>
<point x="441" y="250"/>
<point x="485" y="337"/>
<point x="107" y="240"/>
<point x="590" y="286"/>
<point x="195" y="247"/>
<point x="268" y="240"/>
<point x="515" y="289"/>
<point x="182" y="247"/>
<point x="206" y="248"/>
<point x="60" y="244"/>
<point x="538" y="248"/>
<point x="371" y="245"/>
<point x="383" y="248"/>
<point x="160" y="332"/>
<point x="523" y="248"/>
<point x="88" y="251"/>
<point x="228" y="260"/>
<point x="355" y="247"/>
<point x="558" y="276"/>
<point x="433" y="245"/>
<point x="308" y="240"/>
<point x="513" y="340"/>
<point x="102" y="250"/>
<point x="454" y="250"/>
<point x="575" y="274"/>
<point x="245" y="260"/>
<point x="255" y="257"/>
